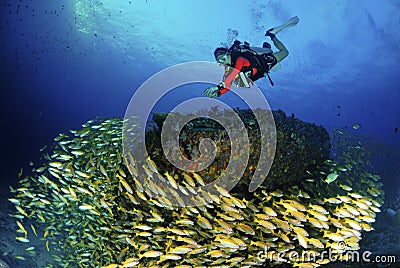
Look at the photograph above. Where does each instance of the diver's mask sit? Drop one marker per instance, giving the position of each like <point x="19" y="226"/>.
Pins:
<point x="224" y="58"/>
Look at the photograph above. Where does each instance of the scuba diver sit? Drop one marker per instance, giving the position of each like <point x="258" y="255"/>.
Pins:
<point x="247" y="64"/>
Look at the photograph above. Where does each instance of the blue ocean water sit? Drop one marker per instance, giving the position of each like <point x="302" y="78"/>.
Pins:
<point x="65" y="62"/>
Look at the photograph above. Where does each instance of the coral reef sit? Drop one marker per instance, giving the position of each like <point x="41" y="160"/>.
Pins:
<point x="301" y="147"/>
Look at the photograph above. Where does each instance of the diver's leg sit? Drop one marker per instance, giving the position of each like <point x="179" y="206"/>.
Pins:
<point x="283" y="52"/>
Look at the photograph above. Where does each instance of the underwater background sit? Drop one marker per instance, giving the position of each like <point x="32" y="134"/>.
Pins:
<point x="66" y="62"/>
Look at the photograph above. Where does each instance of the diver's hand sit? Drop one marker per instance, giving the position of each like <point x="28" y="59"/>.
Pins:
<point x="212" y="92"/>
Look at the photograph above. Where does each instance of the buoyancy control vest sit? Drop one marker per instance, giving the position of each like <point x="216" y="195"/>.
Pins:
<point x="262" y="59"/>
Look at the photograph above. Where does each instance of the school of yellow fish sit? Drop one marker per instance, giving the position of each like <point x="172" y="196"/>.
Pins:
<point x="90" y="210"/>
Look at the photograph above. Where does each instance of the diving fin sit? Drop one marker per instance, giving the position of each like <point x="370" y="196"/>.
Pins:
<point x="290" y="23"/>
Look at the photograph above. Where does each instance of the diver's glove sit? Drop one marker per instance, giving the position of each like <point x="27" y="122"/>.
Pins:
<point x="213" y="92"/>
<point x="270" y="33"/>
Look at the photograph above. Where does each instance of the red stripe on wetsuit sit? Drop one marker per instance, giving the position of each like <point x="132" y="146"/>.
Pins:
<point x="232" y="72"/>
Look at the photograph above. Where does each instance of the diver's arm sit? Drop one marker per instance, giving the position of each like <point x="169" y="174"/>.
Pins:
<point x="283" y="52"/>
<point x="232" y="73"/>
<point x="228" y="80"/>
